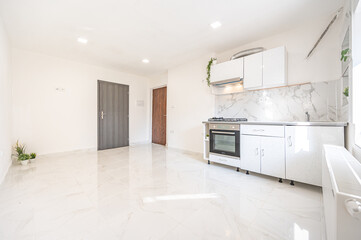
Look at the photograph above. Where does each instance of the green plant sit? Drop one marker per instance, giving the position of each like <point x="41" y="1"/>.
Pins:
<point x="32" y="155"/>
<point x="345" y="92"/>
<point x="344" y="54"/>
<point x="209" y="70"/>
<point x="23" y="157"/>
<point x="19" y="148"/>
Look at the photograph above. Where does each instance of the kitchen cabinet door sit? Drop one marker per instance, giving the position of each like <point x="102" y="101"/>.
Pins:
<point x="227" y="70"/>
<point x="250" y="153"/>
<point x="273" y="157"/>
<point x="274" y="67"/>
<point x="304" y="151"/>
<point x="253" y="71"/>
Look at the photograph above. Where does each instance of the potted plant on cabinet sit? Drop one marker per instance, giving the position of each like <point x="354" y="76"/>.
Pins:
<point x="32" y="157"/>
<point x="24" y="159"/>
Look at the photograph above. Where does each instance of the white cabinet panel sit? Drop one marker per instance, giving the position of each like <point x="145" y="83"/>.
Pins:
<point x="253" y="71"/>
<point x="250" y="153"/>
<point x="227" y="70"/>
<point x="274" y="67"/>
<point x="304" y="151"/>
<point x="230" y="161"/>
<point x="263" y="130"/>
<point x="273" y="157"/>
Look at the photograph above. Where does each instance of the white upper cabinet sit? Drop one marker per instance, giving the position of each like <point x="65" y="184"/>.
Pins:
<point x="253" y="71"/>
<point x="227" y="71"/>
<point x="265" y="69"/>
<point x="275" y="67"/>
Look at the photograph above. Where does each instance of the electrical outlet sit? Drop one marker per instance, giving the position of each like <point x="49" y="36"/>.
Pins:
<point x="171" y="131"/>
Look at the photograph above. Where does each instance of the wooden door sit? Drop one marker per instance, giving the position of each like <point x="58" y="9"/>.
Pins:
<point x="113" y="115"/>
<point x="159" y="116"/>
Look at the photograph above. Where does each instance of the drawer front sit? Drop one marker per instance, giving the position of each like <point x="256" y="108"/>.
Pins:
<point x="225" y="160"/>
<point x="263" y="130"/>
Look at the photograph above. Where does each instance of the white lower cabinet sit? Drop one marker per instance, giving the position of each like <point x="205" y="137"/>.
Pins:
<point x="250" y="153"/>
<point x="227" y="160"/>
<point x="264" y="155"/>
<point x="304" y="146"/>
<point x="273" y="157"/>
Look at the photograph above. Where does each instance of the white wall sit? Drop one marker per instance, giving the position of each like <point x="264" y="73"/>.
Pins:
<point x="49" y="121"/>
<point x="323" y="65"/>
<point x="189" y="103"/>
<point x="5" y="104"/>
<point x="159" y="80"/>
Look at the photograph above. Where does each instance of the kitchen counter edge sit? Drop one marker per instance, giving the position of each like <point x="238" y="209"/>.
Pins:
<point x="331" y="124"/>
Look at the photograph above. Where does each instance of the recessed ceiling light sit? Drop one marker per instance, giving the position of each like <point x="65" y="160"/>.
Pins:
<point x="216" y="25"/>
<point x="83" y="40"/>
<point x="145" y="60"/>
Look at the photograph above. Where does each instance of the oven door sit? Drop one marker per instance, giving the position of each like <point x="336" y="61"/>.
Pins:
<point x="225" y="142"/>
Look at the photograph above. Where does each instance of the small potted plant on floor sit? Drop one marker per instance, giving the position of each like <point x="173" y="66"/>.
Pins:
<point x="24" y="159"/>
<point x="32" y="157"/>
<point x="18" y="149"/>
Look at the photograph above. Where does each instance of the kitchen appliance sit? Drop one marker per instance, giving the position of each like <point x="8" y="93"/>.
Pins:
<point x="221" y="119"/>
<point x="225" y="139"/>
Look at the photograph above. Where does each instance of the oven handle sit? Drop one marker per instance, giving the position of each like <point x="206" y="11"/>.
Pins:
<point x="228" y="133"/>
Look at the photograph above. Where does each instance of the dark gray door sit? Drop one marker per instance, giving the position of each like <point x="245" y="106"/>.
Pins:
<point x="113" y="115"/>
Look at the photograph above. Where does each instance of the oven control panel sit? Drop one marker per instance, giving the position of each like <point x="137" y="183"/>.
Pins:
<point x="234" y="127"/>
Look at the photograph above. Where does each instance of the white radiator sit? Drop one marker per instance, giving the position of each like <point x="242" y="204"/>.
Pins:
<point x="341" y="187"/>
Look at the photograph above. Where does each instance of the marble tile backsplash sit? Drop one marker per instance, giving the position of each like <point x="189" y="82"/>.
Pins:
<point x="324" y="101"/>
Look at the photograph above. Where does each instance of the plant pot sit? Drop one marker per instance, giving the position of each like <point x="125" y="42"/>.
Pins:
<point x="24" y="162"/>
<point x="32" y="160"/>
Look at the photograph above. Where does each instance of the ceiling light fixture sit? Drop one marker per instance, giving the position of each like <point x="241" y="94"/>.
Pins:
<point x="216" y="24"/>
<point x="145" y="60"/>
<point x="83" y="40"/>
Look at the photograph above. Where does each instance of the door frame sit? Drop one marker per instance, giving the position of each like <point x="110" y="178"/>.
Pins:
<point x="98" y="109"/>
<point x="151" y="114"/>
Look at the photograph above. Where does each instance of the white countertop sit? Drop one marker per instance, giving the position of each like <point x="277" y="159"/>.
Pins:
<point x="333" y="124"/>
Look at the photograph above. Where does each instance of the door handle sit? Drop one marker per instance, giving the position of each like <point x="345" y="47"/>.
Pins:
<point x="102" y="115"/>
<point x="289" y="140"/>
<point x="256" y="152"/>
<point x="353" y="208"/>
<point x="228" y="133"/>
<point x="262" y="152"/>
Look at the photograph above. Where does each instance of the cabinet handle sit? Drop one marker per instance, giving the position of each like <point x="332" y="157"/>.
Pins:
<point x="258" y="130"/>
<point x="256" y="151"/>
<point x="262" y="152"/>
<point x="289" y="141"/>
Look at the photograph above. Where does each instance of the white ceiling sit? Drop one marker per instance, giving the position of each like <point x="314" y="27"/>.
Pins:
<point x="123" y="32"/>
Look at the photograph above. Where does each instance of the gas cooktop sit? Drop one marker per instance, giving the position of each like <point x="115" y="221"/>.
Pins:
<point x="221" y="119"/>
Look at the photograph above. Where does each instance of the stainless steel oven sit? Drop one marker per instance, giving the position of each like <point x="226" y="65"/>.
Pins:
<point x="224" y="139"/>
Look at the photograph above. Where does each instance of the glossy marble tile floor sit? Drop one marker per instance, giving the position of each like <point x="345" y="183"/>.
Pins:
<point x="150" y="192"/>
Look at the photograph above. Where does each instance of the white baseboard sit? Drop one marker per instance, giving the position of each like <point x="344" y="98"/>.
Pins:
<point x="5" y="171"/>
<point x="67" y="152"/>
<point x="139" y="143"/>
